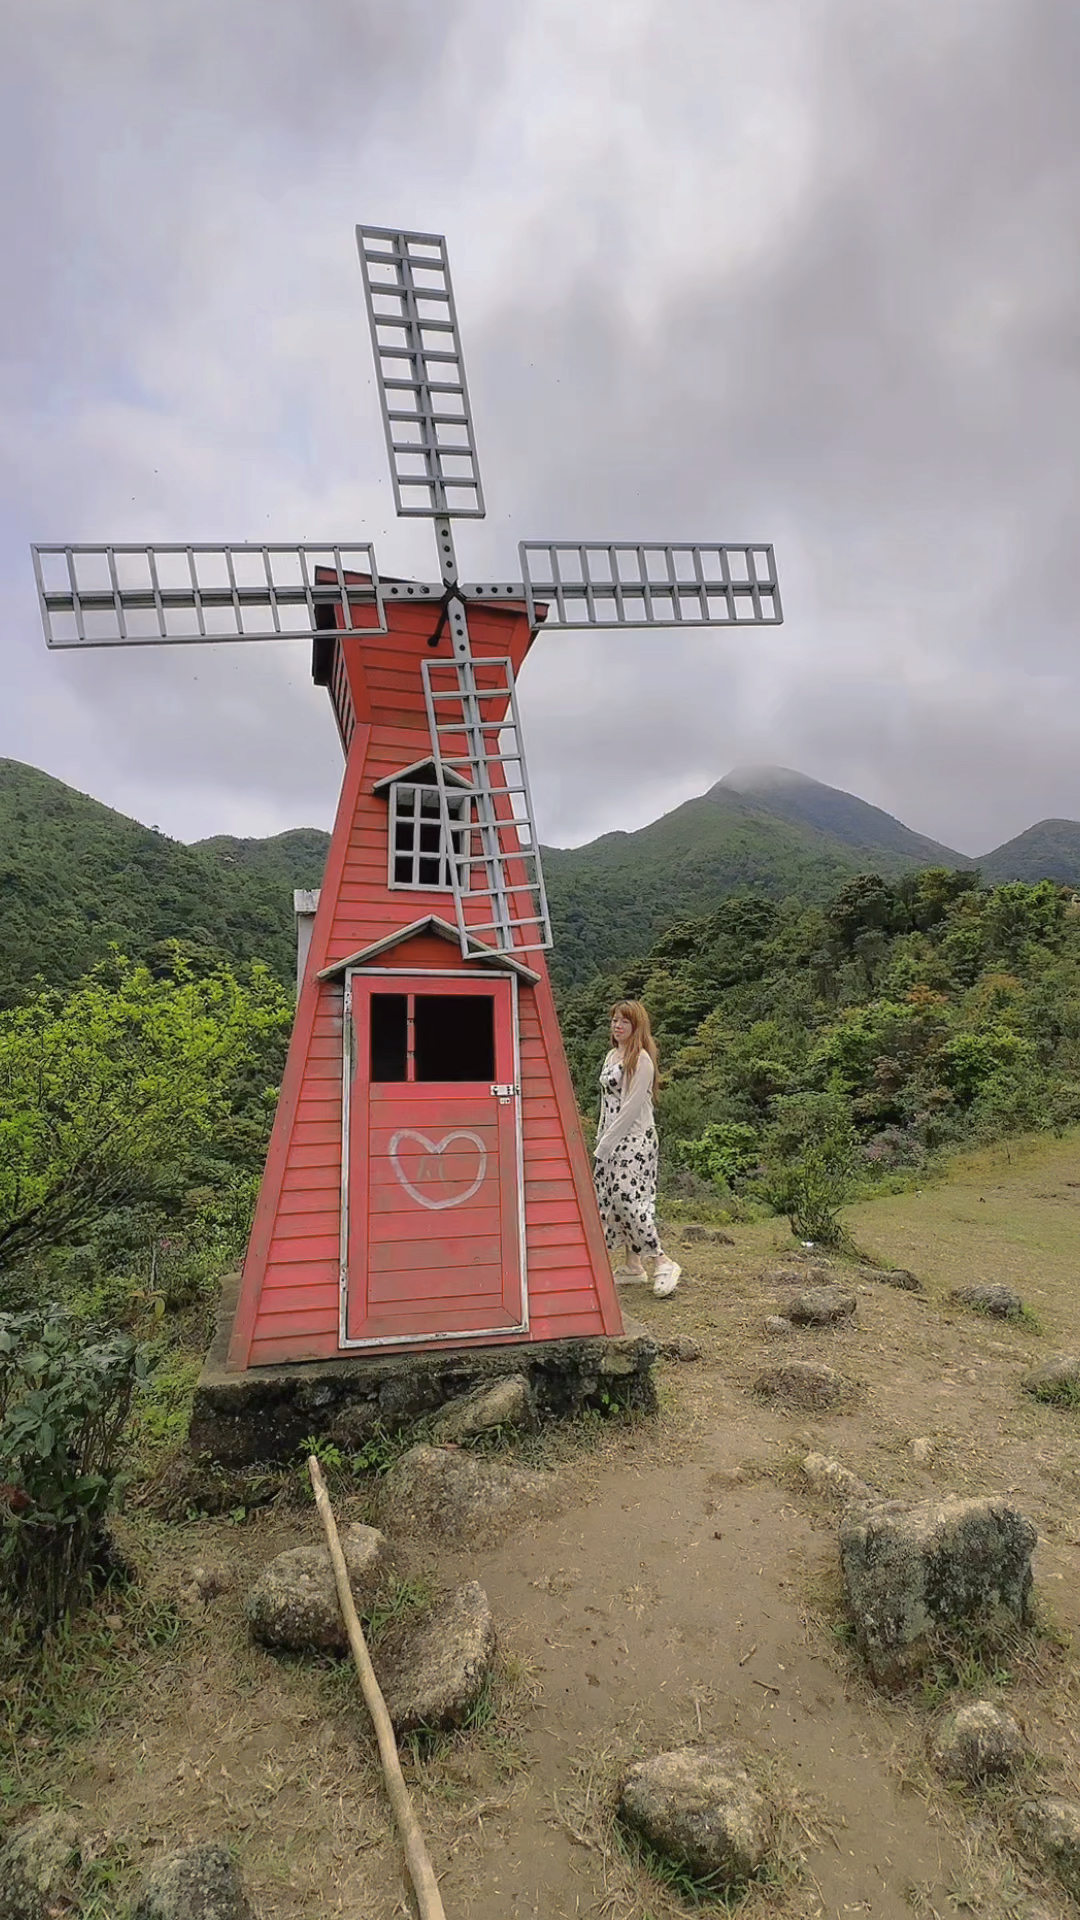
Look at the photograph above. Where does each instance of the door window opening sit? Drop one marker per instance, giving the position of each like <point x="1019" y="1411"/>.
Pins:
<point x="432" y="1037"/>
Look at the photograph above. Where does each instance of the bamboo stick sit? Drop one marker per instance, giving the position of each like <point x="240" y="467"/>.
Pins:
<point x="417" y="1859"/>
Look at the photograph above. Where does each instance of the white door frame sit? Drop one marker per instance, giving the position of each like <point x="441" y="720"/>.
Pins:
<point x="428" y="974"/>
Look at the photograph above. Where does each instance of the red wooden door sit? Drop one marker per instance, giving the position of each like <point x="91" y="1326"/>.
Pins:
<point x="433" y="1180"/>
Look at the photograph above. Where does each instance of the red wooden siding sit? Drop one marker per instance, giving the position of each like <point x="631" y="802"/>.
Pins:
<point x="289" y="1302"/>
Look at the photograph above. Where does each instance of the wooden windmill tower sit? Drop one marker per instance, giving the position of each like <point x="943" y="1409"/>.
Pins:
<point x="427" y="1183"/>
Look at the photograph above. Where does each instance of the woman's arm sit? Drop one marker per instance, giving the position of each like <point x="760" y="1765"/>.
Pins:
<point x="633" y="1102"/>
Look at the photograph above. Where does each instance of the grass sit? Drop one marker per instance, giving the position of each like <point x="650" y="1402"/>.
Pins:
<point x="62" y="1692"/>
<point x="1058" y="1393"/>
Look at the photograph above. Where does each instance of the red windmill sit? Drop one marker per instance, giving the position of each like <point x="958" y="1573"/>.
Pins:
<point x="427" y="1183"/>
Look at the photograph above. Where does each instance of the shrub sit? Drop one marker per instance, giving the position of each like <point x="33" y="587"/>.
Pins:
<point x="811" y="1164"/>
<point x="64" y="1403"/>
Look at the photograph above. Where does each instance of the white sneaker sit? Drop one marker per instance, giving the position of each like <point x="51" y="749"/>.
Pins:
<point x="665" y="1277"/>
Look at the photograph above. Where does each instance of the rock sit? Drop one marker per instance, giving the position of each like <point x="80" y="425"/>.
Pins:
<point x="204" y="1583"/>
<point x="456" y="1497"/>
<point x="37" y="1867"/>
<point x="891" y="1277"/>
<point x="682" y="1347"/>
<point x="1051" y="1828"/>
<point x="713" y="1236"/>
<point x="909" y="1568"/>
<point x="699" y="1807"/>
<point x="775" y="1323"/>
<point x="820" y="1306"/>
<point x="828" y="1476"/>
<point x="1057" y="1380"/>
<point x="921" y="1451"/>
<point x="293" y="1606"/>
<point x="202" y="1883"/>
<point x="979" y="1742"/>
<point x="1001" y="1303"/>
<point x="802" y="1384"/>
<point x="507" y="1403"/>
<point x="432" y="1673"/>
<point x="798" y="1276"/>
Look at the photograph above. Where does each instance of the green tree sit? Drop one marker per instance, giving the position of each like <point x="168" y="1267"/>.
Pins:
<point x="121" y="1092"/>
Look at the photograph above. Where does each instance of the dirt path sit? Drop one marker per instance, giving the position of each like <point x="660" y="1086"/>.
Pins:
<point x="686" y="1590"/>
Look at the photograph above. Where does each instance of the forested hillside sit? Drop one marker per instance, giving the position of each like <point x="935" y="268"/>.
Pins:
<point x="900" y="1017"/>
<point x="1048" y="851"/>
<point x="794" y="797"/>
<point x="76" y="878"/>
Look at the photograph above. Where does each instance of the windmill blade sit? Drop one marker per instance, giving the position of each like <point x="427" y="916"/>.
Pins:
<point x="620" y="584"/>
<point x="418" y="359"/>
<point x="182" y="595"/>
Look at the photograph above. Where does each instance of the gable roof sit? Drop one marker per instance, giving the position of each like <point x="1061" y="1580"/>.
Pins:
<point x="422" y="772"/>
<point x="431" y="923"/>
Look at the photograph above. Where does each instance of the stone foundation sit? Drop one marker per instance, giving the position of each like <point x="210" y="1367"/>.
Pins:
<point x="263" y="1415"/>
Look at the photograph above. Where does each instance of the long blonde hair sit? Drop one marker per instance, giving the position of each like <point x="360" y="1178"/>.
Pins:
<point x="640" y="1041"/>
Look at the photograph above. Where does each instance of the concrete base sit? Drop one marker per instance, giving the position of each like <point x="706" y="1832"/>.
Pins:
<point x="262" y="1416"/>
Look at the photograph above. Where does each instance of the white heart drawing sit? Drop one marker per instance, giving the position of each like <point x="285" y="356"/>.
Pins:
<point x="431" y="1146"/>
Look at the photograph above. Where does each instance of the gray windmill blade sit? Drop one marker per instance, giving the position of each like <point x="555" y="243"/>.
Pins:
<point x="620" y="583"/>
<point x="170" y="595"/>
<point x="427" y="419"/>
<point x="421" y="373"/>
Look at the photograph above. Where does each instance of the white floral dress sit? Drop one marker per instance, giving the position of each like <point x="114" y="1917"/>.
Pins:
<point x="627" y="1157"/>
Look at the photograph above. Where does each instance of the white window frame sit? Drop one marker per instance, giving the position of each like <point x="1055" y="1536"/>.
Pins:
<point x="408" y="817"/>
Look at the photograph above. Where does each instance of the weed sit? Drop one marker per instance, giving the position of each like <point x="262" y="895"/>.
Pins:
<point x="324" y="1451"/>
<point x="1058" y="1393"/>
<point x="400" y="1601"/>
<point x="380" y="1451"/>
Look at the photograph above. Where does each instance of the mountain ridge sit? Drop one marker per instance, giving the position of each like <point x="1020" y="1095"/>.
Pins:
<point x="77" y="876"/>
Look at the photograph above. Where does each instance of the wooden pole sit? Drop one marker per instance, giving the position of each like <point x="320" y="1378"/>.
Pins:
<point x="419" y="1864"/>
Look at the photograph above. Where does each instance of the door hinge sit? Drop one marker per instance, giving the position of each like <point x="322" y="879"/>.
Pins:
<point x="505" y="1093"/>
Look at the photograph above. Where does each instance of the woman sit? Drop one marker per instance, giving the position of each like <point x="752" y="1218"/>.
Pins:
<point x="627" y="1149"/>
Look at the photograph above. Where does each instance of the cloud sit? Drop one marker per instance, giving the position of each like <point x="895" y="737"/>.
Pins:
<point x="798" y="270"/>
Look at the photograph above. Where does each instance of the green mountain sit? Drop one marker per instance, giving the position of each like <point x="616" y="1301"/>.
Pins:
<point x="796" y="798"/>
<point x="75" y="877"/>
<point x="1048" y="851"/>
<point x="285" y="861"/>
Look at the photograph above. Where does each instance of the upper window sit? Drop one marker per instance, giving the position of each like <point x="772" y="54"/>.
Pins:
<point x="419" y="855"/>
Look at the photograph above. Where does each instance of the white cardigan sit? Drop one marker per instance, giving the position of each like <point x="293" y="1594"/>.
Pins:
<point x="635" y="1113"/>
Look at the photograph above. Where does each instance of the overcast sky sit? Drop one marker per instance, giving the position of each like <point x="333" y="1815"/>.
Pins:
<point x="794" y="270"/>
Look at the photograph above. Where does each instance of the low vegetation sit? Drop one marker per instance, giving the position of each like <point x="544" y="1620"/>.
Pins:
<point x="809" y="1051"/>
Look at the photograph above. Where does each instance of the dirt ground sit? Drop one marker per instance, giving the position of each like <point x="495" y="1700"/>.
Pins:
<point x="686" y="1590"/>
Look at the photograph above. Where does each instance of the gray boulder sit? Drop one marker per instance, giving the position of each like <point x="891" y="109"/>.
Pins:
<point x="820" y="1307"/>
<point x="1056" y="1380"/>
<point x="979" y="1742"/>
<point x="431" y="1674"/>
<point x="909" y="1568"/>
<point x="777" y="1324"/>
<point x="682" y="1347"/>
<point x="1001" y="1303"/>
<point x="828" y="1476"/>
<point x="700" y="1808"/>
<point x="455" y="1497"/>
<point x="505" y="1403"/>
<point x="1051" y="1828"/>
<point x="38" y="1867"/>
<point x="293" y="1606"/>
<point x="202" y="1883"/>
<point x="803" y="1385"/>
<point x="898" y="1277"/>
<point x="799" y="1276"/>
